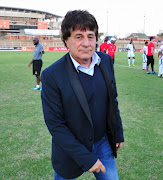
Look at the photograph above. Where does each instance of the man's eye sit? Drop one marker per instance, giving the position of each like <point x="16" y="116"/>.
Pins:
<point x="91" y="37"/>
<point x="78" y="37"/>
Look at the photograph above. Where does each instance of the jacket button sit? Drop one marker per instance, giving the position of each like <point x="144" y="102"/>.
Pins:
<point x="90" y="138"/>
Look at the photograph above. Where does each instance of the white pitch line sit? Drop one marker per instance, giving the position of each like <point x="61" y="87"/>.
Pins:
<point x="128" y="66"/>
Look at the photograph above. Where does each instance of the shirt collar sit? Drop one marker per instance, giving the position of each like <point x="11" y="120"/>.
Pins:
<point x="95" y="60"/>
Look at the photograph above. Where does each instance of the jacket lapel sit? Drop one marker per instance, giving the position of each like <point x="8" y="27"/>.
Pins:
<point x="77" y="87"/>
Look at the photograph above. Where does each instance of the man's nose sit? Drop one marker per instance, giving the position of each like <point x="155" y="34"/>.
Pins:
<point x="86" y="42"/>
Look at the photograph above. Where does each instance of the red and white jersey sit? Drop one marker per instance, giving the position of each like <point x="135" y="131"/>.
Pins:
<point x="150" y="46"/>
<point x="110" y="49"/>
<point x="102" y="47"/>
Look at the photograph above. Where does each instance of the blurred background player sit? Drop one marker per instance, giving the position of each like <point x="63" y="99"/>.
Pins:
<point x="97" y="46"/>
<point x="37" y="62"/>
<point x="103" y="45"/>
<point x="111" y="48"/>
<point x="151" y="55"/>
<point x="160" y="58"/>
<point x="130" y="49"/>
<point x="145" y="51"/>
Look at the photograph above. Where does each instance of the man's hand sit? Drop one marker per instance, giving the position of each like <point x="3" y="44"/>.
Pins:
<point x="29" y="65"/>
<point x="97" y="167"/>
<point x="119" y="145"/>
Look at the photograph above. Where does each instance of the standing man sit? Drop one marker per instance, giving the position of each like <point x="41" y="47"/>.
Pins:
<point x="151" y="55"/>
<point x="111" y="48"/>
<point x="160" y="58"/>
<point x="37" y="62"/>
<point x="130" y="52"/>
<point x="79" y="99"/>
<point x="145" y="51"/>
<point x="103" y="45"/>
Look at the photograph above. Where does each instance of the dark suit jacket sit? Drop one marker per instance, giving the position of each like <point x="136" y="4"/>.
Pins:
<point x="68" y="118"/>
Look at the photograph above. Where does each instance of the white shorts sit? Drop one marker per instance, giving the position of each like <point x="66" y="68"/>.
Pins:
<point x="130" y="54"/>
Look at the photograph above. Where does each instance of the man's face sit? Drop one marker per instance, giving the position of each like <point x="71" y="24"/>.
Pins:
<point x="113" y="42"/>
<point x="35" y="41"/>
<point x="81" y="45"/>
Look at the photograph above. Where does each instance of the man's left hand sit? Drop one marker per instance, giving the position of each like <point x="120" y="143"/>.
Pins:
<point x="119" y="145"/>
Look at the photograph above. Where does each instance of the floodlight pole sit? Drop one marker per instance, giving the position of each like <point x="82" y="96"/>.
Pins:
<point x="144" y="23"/>
<point x="107" y="22"/>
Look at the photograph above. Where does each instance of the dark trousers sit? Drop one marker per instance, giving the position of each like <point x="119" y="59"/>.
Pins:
<point x="150" y="60"/>
<point x="113" y="60"/>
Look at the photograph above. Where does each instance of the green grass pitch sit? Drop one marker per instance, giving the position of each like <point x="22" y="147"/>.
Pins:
<point x="25" y="143"/>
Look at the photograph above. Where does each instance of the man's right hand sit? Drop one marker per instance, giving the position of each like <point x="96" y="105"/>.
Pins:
<point x="29" y="65"/>
<point x="97" y="167"/>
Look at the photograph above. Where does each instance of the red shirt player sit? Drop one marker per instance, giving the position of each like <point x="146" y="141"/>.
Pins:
<point x="151" y="48"/>
<point x="103" y="45"/>
<point x="151" y="55"/>
<point x="111" y="48"/>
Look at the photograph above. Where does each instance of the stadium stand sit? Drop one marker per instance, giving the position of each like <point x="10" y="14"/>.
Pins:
<point x="20" y="24"/>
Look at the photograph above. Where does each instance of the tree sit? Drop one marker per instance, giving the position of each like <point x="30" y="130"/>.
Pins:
<point x="160" y="33"/>
<point x="100" y="34"/>
<point x="3" y="35"/>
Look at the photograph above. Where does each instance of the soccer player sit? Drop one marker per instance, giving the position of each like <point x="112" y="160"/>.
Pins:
<point x="160" y="58"/>
<point x="145" y="50"/>
<point x="37" y="62"/>
<point x="151" y="55"/>
<point x="111" y="48"/>
<point x="130" y="49"/>
<point x="103" y="45"/>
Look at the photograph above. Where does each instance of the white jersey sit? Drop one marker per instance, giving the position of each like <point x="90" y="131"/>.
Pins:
<point x="145" y="51"/>
<point x="130" y="49"/>
<point x="161" y="61"/>
<point x="161" y="55"/>
<point x="161" y="48"/>
<point x="160" y="72"/>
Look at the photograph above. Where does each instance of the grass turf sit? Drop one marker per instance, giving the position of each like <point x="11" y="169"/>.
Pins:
<point x="26" y="143"/>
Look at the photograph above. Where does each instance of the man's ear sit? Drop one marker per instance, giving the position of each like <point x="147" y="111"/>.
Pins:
<point x="65" y="42"/>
